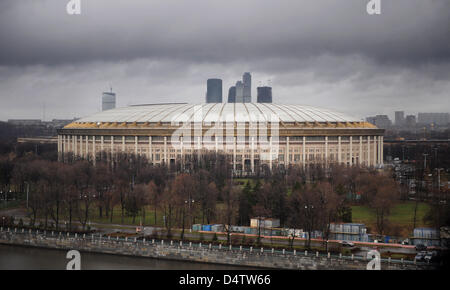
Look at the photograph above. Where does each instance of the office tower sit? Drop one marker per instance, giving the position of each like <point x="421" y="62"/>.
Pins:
<point x="108" y="101"/>
<point x="239" y="92"/>
<point x="232" y="95"/>
<point x="399" y="118"/>
<point x="247" y="93"/>
<point x="214" y="91"/>
<point x="264" y="95"/>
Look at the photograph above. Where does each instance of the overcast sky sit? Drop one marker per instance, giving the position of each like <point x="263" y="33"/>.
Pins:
<point x="325" y="53"/>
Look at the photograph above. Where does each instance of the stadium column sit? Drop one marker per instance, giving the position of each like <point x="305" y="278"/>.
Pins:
<point x="217" y="142"/>
<point x="74" y="143"/>
<point x="253" y="154"/>
<point x="102" y="146"/>
<point x="135" y="146"/>
<point x="198" y="148"/>
<point x="339" y="150"/>
<point x="150" y="152"/>
<point x="351" y="150"/>
<point x="81" y="147"/>
<point x="234" y="153"/>
<point x="94" y="149"/>
<point x="243" y="156"/>
<point x="123" y="144"/>
<point x="368" y="150"/>
<point x="375" y="159"/>
<point x="360" y="159"/>
<point x="381" y="150"/>
<point x="304" y="152"/>
<point x="326" y="151"/>
<point x="63" y="144"/>
<point x="270" y="153"/>
<point x="59" y="147"/>
<point x="112" y="148"/>
<point x="182" y="151"/>
<point x="87" y="148"/>
<point x="165" y="150"/>
<point x="287" y="160"/>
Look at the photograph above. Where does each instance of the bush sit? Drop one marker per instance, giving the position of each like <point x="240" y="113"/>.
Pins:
<point x="215" y="237"/>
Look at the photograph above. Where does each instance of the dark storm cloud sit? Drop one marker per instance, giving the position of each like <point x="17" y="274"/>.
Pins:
<point x="40" y="32"/>
<point x="327" y="53"/>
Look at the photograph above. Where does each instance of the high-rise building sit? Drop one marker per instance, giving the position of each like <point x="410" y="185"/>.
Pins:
<point x="108" y="100"/>
<point x="232" y="95"/>
<point x="247" y="80"/>
<point x="264" y="95"/>
<point x="399" y="118"/>
<point x="410" y="121"/>
<point x="214" y="91"/>
<point x="239" y="92"/>
<point x="433" y="118"/>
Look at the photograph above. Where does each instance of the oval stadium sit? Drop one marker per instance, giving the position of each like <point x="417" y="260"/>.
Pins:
<point x="251" y="135"/>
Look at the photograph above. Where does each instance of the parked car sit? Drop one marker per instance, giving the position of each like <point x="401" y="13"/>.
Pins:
<point x="420" y="247"/>
<point x="431" y="256"/>
<point x="420" y="257"/>
<point x="347" y="244"/>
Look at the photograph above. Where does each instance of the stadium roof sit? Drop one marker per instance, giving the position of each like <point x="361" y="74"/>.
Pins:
<point x="218" y="112"/>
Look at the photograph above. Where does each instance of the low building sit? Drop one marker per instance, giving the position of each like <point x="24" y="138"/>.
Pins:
<point x="265" y="222"/>
<point x="426" y="236"/>
<point x="349" y="232"/>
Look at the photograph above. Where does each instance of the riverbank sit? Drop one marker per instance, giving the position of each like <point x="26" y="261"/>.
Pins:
<point x="203" y="253"/>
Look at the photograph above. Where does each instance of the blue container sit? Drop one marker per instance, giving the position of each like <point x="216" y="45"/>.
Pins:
<point x="206" y="228"/>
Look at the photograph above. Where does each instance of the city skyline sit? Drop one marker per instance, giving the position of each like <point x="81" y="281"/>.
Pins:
<point x="362" y="70"/>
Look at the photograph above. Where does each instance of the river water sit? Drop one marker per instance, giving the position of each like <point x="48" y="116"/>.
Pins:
<point x="28" y="258"/>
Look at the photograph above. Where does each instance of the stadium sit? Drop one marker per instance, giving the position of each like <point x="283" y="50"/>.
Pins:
<point x="252" y="135"/>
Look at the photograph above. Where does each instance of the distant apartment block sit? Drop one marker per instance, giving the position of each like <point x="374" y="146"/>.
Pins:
<point x="433" y="118"/>
<point x="381" y="121"/>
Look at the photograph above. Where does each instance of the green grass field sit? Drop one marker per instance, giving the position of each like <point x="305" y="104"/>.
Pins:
<point x="402" y="215"/>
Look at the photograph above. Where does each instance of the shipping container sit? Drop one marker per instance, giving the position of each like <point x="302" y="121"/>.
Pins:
<point x="197" y="227"/>
<point x="217" y="228"/>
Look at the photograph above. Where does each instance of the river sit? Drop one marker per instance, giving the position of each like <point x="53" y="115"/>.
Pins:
<point x="28" y="258"/>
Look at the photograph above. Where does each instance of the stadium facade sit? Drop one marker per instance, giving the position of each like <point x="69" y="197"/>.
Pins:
<point x="252" y="135"/>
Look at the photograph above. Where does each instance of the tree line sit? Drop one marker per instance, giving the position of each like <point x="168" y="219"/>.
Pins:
<point x="305" y="198"/>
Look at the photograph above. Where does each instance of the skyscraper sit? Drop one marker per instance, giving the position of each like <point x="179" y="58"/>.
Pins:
<point x="239" y="92"/>
<point x="399" y="118"/>
<point x="108" y="101"/>
<point x="232" y="95"/>
<point x="264" y="95"/>
<point x="214" y="91"/>
<point x="247" y="93"/>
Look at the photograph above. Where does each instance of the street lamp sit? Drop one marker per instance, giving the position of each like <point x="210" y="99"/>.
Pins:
<point x="308" y="214"/>
<point x="189" y="202"/>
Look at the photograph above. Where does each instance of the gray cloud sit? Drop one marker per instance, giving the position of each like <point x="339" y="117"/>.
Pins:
<point x="326" y="53"/>
<point x="40" y="32"/>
